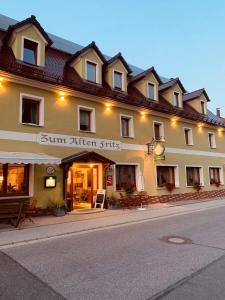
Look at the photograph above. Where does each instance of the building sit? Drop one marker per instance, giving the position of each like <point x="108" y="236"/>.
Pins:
<point x="74" y="120"/>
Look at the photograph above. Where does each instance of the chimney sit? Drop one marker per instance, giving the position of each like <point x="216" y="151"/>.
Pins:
<point x="218" y="112"/>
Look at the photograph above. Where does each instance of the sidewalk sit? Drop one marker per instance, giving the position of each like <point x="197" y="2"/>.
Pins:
<point x="51" y="227"/>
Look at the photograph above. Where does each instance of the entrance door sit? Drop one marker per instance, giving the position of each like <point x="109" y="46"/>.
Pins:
<point x="82" y="184"/>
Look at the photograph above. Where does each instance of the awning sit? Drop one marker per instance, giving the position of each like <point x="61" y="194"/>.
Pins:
<point x="87" y="157"/>
<point x="27" y="158"/>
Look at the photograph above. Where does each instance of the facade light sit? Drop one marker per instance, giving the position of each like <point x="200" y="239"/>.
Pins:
<point x="62" y="96"/>
<point x="1" y="80"/>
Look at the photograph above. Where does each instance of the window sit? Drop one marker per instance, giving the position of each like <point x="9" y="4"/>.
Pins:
<point x="203" y="108"/>
<point x="14" y="180"/>
<point x="151" y="91"/>
<point x="117" y="80"/>
<point x="30" y="52"/>
<point x="30" y="111"/>
<point x="158" y="131"/>
<point x="91" y="71"/>
<point x="86" y="119"/>
<point x="126" y="177"/>
<point x="188" y="136"/>
<point x="127" y="126"/>
<point x="214" y="175"/>
<point x="212" y="140"/>
<point x="176" y="99"/>
<point x="193" y="175"/>
<point x="165" y="174"/>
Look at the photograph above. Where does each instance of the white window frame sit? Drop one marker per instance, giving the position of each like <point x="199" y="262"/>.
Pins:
<point x="93" y="120"/>
<point x="41" y="108"/>
<point x="201" y="173"/>
<point x="155" y="90"/>
<point x="213" y="140"/>
<point x="138" y="175"/>
<point x="190" y="136"/>
<point x="38" y="49"/>
<point x="220" y="171"/>
<point x="161" y="129"/>
<point x="131" y="125"/>
<point x="176" y="175"/>
<point x="179" y="99"/>
<point x="97" y="70"/>
<point x="205" y="107"/>
<point x="123" y="84"/>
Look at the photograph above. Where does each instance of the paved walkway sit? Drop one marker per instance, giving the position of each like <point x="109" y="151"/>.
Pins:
<point x="51" y="227"/>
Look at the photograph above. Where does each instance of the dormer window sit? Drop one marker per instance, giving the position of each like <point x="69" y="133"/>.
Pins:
<point x="30" y="51"/>
<point x="203" y="108"/>
<point x="91" y="71"/>
<point x="118" y="84"/>
<point x="151" y="91"/>
<point x="176" y="99"/>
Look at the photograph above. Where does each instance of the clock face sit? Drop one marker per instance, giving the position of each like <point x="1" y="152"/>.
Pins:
<point x="50" y="170"/>
<point x="159" y="149"/>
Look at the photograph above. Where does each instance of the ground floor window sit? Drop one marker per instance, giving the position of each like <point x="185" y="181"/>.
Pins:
<point x="214" y="175"/>
<point x="165" y="175"/>
<point x="126" y="177"/>
<point x="193" y="176"/>
<point x="14" y="179"/>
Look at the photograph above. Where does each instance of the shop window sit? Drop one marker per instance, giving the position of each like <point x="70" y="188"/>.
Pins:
<point x="212" y="140"/>
<point x="193" y="176"/>
<point x="126" y="178"/>
<point x="86" y="119"/>
<point x="158" y="131"/>
<point x="188" y="136"/>
<point x="30" y="50"/>
<point x="14" y="180"/>
<point x="151" y="91"/>
<point x="31" y="110"/>
<point x="214" y="175"/>
<point x="165" y="175"/>
<point x="126" y="123"/>
<point x="91" y="71"/>
<point x="118" y="84"/>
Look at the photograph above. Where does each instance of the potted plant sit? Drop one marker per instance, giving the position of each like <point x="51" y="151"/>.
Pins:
<point x="113" y="200"/>
<point x="217" y="183"/>
<point x="170" y="186"/>
<point x="197" y="186"/>
<point x="59" y="207"/>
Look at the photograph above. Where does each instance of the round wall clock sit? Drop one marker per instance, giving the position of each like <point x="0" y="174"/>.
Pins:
<point x="50" y="170"/>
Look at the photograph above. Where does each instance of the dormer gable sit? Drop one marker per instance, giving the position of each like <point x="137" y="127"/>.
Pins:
<point x="116" y="70"/>
<point x="147" y="82"/>
<point x="88" y="63"/>
<point x="28" y="41"/>
<point x="198" y="100"/>
<point x="173" y="91"/>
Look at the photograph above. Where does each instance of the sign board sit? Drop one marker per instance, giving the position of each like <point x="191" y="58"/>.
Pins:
<point x="109" y="180"/>
<point x="100" y="198"/>
<point x="50" y="181"/>
<point x="159" y="157"/>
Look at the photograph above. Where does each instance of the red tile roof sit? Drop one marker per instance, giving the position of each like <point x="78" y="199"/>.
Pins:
<point x="195" y="94"/>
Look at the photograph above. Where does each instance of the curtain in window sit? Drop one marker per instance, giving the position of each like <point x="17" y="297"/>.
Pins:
<point x="30" y="112"/>
<point x="85" y="120"/>
<point x="165" y="175"/>
<point x="193" y="176"/>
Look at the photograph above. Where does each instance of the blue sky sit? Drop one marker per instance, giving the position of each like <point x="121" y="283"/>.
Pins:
<point x="179" y="38"/>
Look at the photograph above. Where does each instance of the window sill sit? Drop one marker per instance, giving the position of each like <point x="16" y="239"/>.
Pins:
<point x="191" y="186"/>
<point x="164" y="188"/>
<point x="30" y="124"/>
<point x="189" y="144"/>
<point x="127" y="137"/>
<point x="86" y="131"/>
<point x="212" y="148"/>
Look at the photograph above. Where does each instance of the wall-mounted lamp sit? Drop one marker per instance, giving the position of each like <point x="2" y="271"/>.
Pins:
<point x="62" y="96"/>
<point x="1" y="80"/>
<point x="200" y="125"/>
<point x="91" y="165"/>
<point x="220" y="130"/>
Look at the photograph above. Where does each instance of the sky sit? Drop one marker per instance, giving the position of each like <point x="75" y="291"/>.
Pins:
<point x="184" y="39"/>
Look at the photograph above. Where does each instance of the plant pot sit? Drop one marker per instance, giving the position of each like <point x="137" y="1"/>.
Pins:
<point x="59" y="212"/>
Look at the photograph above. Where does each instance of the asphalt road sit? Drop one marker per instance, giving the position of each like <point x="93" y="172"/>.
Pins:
<point x="128" y="262"/>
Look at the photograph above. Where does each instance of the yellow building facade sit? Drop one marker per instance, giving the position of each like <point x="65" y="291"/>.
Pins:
<point x="73" y="123"/>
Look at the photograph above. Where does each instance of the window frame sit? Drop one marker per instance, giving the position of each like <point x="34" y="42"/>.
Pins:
<point x="92" y="118"/>
<point x="41" y="109"/>
<point x="201" y="175"/>
<point x="138" y="175"/>
<point x="155" y="90"/>
<point x="212" y="142"/>
<point x="131" y="125"/>
<point x="161" y="129"/>
<point x="203" y="107"/>
<point x="122" y="80"/>
<point x="190" y="138"/>
<point x="179" y="99"/>
<point x="96" y="70"/>
<point x="176" y="175"/>
<point x="38" y="51"/>
<point x="220" y="174"/>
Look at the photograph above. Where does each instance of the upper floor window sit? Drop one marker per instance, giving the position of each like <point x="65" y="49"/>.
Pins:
<point x="203" y="107"/>
<point x="31" y="110"/>
<point x="151" y="91"/>
<point x="212" y="140"/>
<point x="188" y="136"/>
<point x="86" y="119"/>
<point x="118" y="77"/>
<point x="91" y="71"/>
<point x="158" y="131"/>
<point x="176" y="99"/>
<point x="127" y="129"/>
<point x="30" y="52"/>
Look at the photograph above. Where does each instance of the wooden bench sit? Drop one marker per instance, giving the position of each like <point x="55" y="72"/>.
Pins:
<point x="14" y="210"/>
